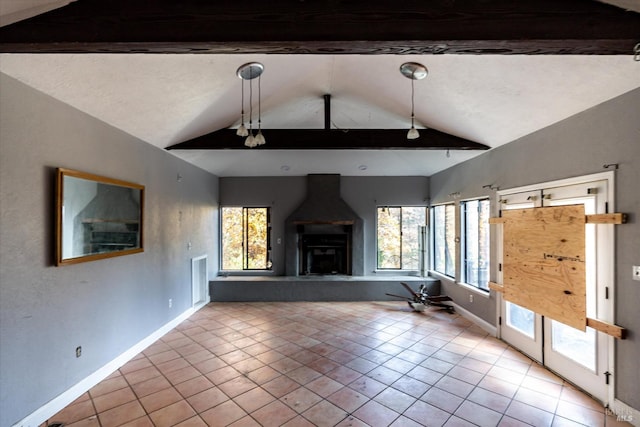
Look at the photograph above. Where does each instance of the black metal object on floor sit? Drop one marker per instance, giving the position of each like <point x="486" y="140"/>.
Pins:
<point x="421" y="299"/>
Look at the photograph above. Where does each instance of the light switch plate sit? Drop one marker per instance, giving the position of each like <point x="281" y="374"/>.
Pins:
<point x="636" y="272"/>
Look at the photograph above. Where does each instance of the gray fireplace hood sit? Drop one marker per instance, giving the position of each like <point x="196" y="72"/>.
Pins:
<point x="323" y="210"/>
<point x="323" y="204"/>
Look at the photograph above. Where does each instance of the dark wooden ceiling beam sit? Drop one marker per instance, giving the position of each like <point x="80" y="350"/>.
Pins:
<point x="356" y="47"/>
<point x="332" y="139"/>
<point x="329" y="26"/>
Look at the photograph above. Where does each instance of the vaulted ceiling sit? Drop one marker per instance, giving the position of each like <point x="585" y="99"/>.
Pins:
<point x="165" y="72"/>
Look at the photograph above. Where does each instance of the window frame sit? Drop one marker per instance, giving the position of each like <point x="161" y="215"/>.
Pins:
<point x="245" y="237"/>
<point x="464" y="272"/>
<point x="433" y="232"/>
<point x="402" y="252"/>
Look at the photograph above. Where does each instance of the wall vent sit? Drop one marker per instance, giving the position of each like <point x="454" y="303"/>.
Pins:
<point x="199" y="281"/>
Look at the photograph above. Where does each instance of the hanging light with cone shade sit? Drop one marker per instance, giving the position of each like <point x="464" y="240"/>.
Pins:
<point x="413" y="71"/>
<point x="249" y="72"/>
<point x="259" y="138"/>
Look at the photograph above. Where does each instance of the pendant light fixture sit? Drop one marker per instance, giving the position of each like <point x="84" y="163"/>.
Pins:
<point x="242" y="130"/>
<point x="259" y="138"/>
<point x="249" y="72"/>
<point x="413" y="71"/>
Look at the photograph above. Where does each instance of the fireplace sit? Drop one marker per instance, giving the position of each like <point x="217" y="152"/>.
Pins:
<point x="324" y="235"/>
<point x="326" y="253"/>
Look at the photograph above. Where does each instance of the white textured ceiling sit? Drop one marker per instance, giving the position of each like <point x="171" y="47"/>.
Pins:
<point x="16" y="10"/>
<point x="167" y="99"/>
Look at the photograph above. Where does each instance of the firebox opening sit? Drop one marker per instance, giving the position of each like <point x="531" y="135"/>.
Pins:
<point x="325" y="253"/>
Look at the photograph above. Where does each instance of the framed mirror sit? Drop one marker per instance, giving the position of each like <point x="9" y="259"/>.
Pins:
<point x="96" y="217"/>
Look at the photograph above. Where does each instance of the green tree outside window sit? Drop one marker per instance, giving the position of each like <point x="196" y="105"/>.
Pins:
<point x="245" y="238"/>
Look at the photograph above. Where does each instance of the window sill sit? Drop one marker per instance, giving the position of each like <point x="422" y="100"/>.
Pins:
<point x="441" y="276"/>
<point x="229" y="273"/>
<point x="398" y="272"/>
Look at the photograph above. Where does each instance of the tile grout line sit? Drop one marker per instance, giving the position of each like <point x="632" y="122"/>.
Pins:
<point x="234" y="321"/>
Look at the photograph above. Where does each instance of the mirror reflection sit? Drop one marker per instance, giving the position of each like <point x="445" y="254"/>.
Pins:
<point x="98" y="217"/>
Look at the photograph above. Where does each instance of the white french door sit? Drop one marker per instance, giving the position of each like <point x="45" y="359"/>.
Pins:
<point x="581" y="357"/>
<point x="520" y="327"/>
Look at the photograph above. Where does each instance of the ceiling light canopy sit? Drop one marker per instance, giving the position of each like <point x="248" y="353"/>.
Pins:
<point x="413" y="71"/>
<point x="250" y="71"/>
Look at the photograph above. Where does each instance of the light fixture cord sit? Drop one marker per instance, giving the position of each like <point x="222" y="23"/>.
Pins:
<point x="412" y="98"/>
<point x="259" y="107"/>
<point x="251" y="107"/>
<point x="242" y="102"/>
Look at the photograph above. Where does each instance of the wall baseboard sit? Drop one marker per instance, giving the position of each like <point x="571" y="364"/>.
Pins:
<point x="54" y="406"/>
<point x="492" y="330"/>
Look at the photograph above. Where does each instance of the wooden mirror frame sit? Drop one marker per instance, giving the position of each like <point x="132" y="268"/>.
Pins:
<point x="105" y="219"/>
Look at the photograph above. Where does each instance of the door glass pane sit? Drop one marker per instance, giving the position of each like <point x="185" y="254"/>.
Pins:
<point x="476" y="215"/>
<point x="438" y="239"/>
<point x="521" y="319"/>
<point x="413" y="218"/>
<point x="389" y="237"/>
<point x="577" y="345"/>
<point x="256" y="238"/>
<point x="232" y="238"/>
<point x="572" y="343"/>
<point x="444" y="244"/>
<point x="450" y="240"/>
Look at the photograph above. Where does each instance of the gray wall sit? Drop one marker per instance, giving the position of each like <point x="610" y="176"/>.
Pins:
<point x="580" y="145"/>
<point x="282" y="195"/>
<point x="316" y="288"/>
<point x="105" y="306"/>
<point x="363" y="194"/>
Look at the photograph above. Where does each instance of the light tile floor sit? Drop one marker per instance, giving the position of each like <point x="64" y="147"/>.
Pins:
<point x="331" y="364"/>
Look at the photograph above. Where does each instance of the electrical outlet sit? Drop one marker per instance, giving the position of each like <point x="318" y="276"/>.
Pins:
<point x="470" y="297"/>
<point x="78" y="351"/>
<point x="170" y="303"/>
<point x="636" y="272"/>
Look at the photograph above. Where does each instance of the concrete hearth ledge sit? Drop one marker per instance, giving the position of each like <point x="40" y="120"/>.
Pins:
<point x="328" y="277"/>
<point x="315" y="288"/>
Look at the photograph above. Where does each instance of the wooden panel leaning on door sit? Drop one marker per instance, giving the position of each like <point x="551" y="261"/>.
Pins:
<point x="544" y="257"/>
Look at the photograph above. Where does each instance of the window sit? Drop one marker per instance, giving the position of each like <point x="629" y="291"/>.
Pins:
<point x="474" y="215"/>
<point x="245" y="236"/>
<point x="444" y="239"/>
<point x="399" y="231"/>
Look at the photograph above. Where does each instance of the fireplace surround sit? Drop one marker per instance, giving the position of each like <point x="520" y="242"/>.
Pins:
<point x="324" y="235"/>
